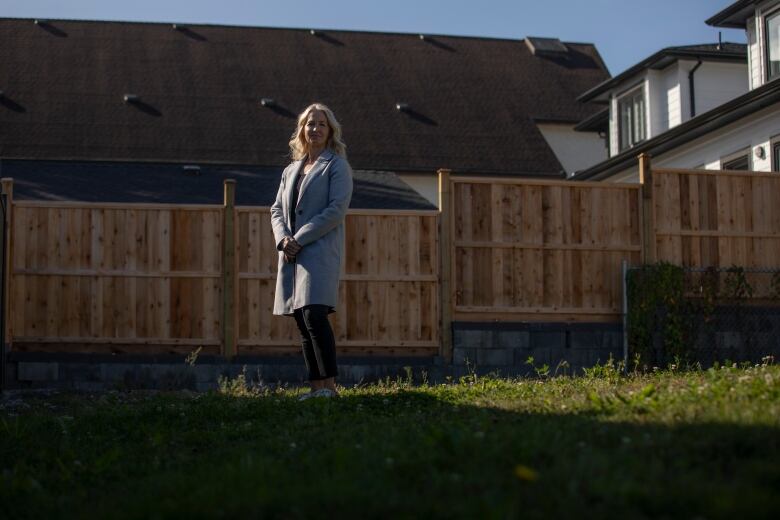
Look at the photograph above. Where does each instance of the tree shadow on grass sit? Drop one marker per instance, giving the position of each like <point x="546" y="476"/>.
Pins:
<point x="382" y="455"/>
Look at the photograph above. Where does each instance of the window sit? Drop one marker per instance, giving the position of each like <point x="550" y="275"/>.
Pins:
<point x="772" y="29"/>
<point x="736" y="161"/>
<point x="776" y="154"/>
<point x="631" y="126"/>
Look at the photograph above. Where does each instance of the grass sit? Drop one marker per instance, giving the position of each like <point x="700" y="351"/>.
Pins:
<point x="687" y="444"/>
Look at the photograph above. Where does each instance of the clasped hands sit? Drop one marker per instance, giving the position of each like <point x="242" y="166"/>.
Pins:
<point x="290" y="248"/>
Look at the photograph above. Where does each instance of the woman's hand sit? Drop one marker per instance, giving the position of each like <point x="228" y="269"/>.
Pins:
<point x="290" y="246"/>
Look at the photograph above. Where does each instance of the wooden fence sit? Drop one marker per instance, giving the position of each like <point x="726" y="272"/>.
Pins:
<point x="541" y="250"/>
<point x="142" y="278"/>
<point x="716" y="218"/>
<point x="388" y="295"/>
<point x="168" y="278"/>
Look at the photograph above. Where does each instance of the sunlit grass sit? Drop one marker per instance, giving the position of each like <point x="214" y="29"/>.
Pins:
<point x="668" y="443"/>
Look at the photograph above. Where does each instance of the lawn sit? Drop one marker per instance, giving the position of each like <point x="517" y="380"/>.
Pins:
<point x="671" y="443"/>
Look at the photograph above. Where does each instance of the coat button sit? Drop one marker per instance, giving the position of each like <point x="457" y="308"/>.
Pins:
<point x="300" y="212"/>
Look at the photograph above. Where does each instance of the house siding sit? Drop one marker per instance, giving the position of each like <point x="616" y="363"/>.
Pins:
<point x="751" y="132"/>
<point x="754" y="54"/>
<point x="425" y="185"/>
<point x="757" y="50"/>
<point x="717" y="83"/>
<point x="657" y="100"/>
<point x="574" y="150"/>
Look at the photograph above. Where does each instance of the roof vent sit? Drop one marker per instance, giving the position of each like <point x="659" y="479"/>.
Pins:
<point x="268" y="102"/>
<point x="402" y="107"/>
<point x="131" y="98"/>
<point x="191" y="169"/>
<point x="546" y="46"/>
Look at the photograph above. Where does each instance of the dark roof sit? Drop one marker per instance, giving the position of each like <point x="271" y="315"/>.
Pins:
<point x="473" y="101"/>
<point x="698" y="126"/>
<point x="172" y="184"/>
<point x="733" y="16"/>
<point x="733" y="52"/>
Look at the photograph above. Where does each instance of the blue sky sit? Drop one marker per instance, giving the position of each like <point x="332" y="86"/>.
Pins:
<point x="624" y="31"/>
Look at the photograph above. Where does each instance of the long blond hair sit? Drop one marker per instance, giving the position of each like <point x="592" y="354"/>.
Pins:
<point x="298" y="149"/>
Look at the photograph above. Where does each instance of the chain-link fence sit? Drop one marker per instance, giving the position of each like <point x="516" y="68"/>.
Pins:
<point x="678" y="315"/>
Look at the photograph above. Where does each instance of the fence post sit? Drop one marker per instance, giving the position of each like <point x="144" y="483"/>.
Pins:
<point x="229" y="270"/>
<point x="445" y="263"/>
<point x="8" y="193"/>
<point x="6" y="199"/>
<point x="648" y="209"/>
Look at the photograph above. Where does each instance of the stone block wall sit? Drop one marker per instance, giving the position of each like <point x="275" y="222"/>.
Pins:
<point x="90" y="372"/>
<point x="505" y="348"/>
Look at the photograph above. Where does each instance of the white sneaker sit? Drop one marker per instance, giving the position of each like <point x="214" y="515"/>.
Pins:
<point x="324" y="392"/>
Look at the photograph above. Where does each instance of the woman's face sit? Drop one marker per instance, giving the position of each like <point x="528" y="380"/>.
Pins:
<point x="316" y="131"/>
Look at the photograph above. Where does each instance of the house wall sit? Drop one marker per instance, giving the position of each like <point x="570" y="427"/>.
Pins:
<point x="626" y="86"/>
<point x="755" y="72"/>
<point x="667" y="98"/>
<point x="667" y="94"/>
<point x="574" y="150"/>
<point x="754" y="131"/>
<point x="425" y="184"/>
<point x="716" y="83"/>
<point x="757" y="43"/>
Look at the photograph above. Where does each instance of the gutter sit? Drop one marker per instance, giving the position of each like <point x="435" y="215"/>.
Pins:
<point x="691" y="89"/>
<point x="721" y="55"/>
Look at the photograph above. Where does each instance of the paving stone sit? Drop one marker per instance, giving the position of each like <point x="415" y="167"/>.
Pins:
<point x="472" y="338"/>
<point x="461" y="355"/>
<point x="37" y="371"/>
<point x="80" y="372"/>
<point x="496" y="357"/>
<point x="513" y="338"/>
<point x="547" y="340"/>
<point x="586" y="339"/>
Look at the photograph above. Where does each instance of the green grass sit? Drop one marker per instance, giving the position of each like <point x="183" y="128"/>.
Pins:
<point x="687" y="444"/>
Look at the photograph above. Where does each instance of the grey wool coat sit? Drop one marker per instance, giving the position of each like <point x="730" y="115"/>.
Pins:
<point x="319" y="228"/>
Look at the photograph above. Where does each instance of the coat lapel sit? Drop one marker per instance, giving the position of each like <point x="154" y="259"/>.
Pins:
<point x="322" y="163"/>
<point x="297" y="170"/>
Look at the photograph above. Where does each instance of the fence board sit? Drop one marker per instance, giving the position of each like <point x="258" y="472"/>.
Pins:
<point x="717" y="219"/>
<point x="104" y="271"/>
<point x="136" y="275"/>
<point x="525" y="246"/>
<point x="388" y="290"/>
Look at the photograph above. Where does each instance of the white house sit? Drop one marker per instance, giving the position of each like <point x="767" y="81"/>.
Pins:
<point x="726" y="123"/>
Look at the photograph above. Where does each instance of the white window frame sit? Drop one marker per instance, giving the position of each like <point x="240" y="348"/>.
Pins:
<point x="633" y="140"/>
<point x="742" y="152"/>
<point x="765" y="44"/>
<point x="774" y="157"/>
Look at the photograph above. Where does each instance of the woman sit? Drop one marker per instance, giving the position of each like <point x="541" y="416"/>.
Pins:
<point x="308" y="224"/>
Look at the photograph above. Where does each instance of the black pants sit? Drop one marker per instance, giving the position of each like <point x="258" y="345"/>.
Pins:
<point x="319" y="345"/>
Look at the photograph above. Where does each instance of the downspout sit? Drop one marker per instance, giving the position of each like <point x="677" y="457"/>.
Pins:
<point x="691" y="87"/>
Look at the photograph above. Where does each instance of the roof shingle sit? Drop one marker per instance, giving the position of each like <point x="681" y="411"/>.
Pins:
<point x="473" y="100"/>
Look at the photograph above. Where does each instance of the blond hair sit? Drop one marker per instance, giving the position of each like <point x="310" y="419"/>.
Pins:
<point x="298" y="146"/>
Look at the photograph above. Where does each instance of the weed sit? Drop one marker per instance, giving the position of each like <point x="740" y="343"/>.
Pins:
<point x="240" y="386"/>
<point x="192" y="357"/>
